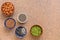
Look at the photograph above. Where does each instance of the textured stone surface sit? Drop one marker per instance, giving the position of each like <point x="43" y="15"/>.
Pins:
<point x="42" y="12"/>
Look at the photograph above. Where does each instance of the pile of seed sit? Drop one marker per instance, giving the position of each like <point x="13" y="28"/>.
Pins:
<point x="7" y="8"/>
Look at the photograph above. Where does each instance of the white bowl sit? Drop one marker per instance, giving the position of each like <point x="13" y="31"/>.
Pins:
<point x="23" y="17"/>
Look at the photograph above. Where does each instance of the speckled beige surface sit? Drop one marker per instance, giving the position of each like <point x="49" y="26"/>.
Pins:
<point x="42" y="12"/>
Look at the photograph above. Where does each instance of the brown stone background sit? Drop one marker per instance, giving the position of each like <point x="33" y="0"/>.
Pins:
<point x="42" y="12"/>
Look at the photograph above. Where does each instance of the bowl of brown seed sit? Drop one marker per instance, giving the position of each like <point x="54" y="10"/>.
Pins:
<point x="7" y="9"/>
<point x="10" y="23"/>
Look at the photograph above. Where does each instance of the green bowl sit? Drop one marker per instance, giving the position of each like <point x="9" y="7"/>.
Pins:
<point x="36" y="30"/>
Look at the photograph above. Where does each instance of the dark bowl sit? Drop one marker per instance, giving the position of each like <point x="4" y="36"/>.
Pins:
<point x="20" y="32"/>
<point x="6" y="21"/>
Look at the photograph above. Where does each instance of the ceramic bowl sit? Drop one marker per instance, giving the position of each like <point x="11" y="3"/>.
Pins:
<point x="22" y="17"/>
<point x="20" y="32"/>
<point x="10" y="23"/>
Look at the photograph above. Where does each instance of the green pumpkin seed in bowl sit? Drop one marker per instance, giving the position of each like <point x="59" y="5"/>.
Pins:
<point x="36" y="30"/>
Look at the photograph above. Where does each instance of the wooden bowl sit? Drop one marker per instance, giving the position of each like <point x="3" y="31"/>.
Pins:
<point x="36" y="30"/>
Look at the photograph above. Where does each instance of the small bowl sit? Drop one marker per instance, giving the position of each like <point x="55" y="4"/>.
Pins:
<point x="22" y="17"/>
<point x="9" y="23"/>
<point x="20" y="32"/>
<point x="36" y="30"/>
<point x="7" y="9"/>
